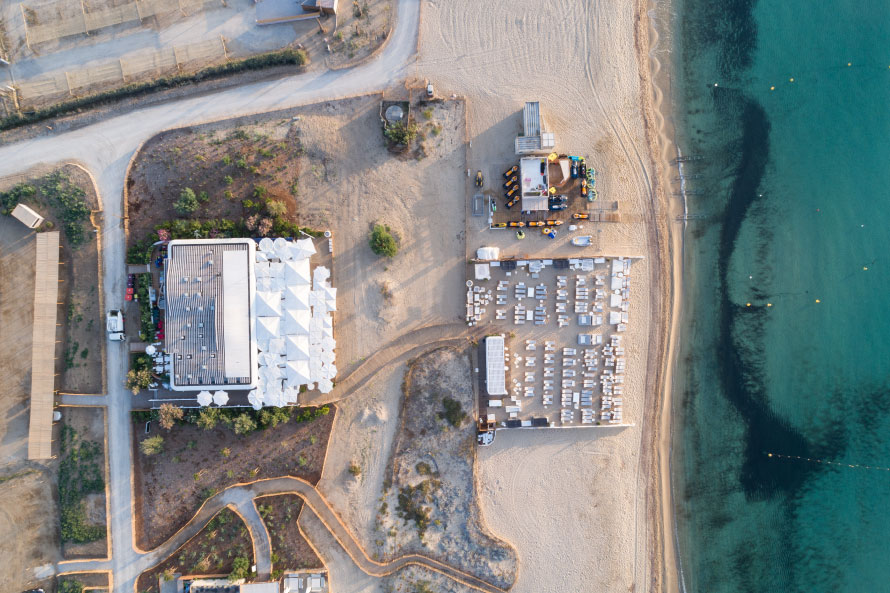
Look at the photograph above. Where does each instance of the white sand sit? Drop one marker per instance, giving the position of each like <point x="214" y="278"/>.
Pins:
<point x="573" y="502"/>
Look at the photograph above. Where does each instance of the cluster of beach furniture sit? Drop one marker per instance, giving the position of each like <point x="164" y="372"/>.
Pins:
<point x="583" y="380"/>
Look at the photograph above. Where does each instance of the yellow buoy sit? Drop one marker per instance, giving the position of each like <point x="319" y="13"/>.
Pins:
<point x="772" y="88"/>
<point x="747" y="304"/>
<point x="769" y="304"/>
<point x="865" y="267"/>
<point x="790" y="80"/>
<point x="818" y="301"/>
<point x="849" y="63"/>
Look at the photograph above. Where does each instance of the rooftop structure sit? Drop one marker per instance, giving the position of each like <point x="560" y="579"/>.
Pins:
<point x="534" y="138"/>
<point x="27" y="216"/>
<point x="43" y="348"/>
<point x="210" y="307"/>
<point x="534" y="181"/>
<point x="305" y="582"/>
<point x="495" y="371"/>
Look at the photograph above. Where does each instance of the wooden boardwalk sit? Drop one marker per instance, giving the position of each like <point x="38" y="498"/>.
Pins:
<point x="43" y="350"/>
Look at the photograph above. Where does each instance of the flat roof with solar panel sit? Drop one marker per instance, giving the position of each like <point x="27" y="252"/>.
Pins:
<point x="209" y="317"/>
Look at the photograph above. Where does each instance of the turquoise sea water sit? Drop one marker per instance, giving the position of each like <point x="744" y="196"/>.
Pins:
<point x="796" y="192"/>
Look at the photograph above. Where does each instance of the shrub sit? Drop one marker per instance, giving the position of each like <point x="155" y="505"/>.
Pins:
<point x="187" y="202"/>
<point x="276" y="208"/>
<point x="79" y="475"/>
<point x="260" y="192"/>
<point x="355" y="469"/>
<point x="69" y="586"/>
<point x="138" y="379"/>
<point x="272" y="417"/>
<point x="400" y="132"/>
<point x="203" y="197"/>
<point x="10" y="199"/>
<point x="428" y="113"/>
<point x="240" y="569"/>
<point x="382" y="241"/>
<point x="208" y="418"/>
<point x="452" y="412"/>
<point x="152" y="445"/>
<point x="423" y="468"/>
<point x="228" y="179"/>
<point x="170" y="414"/>
<point x="244" y="424"/>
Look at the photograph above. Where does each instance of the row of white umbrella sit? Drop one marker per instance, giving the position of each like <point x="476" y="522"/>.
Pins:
<point x="219" y="397"/>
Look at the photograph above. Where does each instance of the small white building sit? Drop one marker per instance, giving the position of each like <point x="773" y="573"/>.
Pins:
<point x="27" y="216"/>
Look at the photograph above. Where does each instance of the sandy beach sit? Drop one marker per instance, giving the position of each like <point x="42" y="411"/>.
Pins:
<point x="584" y="509"/>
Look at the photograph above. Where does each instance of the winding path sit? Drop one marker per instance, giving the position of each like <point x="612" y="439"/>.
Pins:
<point x="240" y="499"/>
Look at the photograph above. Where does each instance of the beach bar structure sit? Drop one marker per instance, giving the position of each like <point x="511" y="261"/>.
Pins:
<point x="534" y="139"/>
<point x="43" y="346"/>
<point x="534" y="180"/>
<point x="495" y="369"/>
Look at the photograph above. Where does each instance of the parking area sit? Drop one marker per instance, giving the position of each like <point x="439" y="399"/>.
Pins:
<point x="563" y="323"/>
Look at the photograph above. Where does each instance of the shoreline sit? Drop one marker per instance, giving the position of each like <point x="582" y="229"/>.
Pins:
<point x="666" y="247"/>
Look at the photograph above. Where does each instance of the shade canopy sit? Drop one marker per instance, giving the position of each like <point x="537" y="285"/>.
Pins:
<point x="204" y="398"/>
<point x="220" y="398"/>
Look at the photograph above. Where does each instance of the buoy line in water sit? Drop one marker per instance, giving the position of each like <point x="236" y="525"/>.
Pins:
<point x="826" y="462"/>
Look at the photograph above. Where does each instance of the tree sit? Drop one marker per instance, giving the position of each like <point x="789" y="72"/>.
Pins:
<point x="276" y="208"/>
<point x="244" y="424"/>
<point x="152" y="445"/>
<point x="400" y="132"/>
<point x="382" y="241"/>
<point x="169" y="415"/>
<point x="208" y="418"/>
<point x="187" y="202"/>
<point x="240" y="569"/>
<point x="137" y="380"/>
<point x="70" y="586"/>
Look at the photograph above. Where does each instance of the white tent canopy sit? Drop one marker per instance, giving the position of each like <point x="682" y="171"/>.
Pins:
<point x="220" y="398"/>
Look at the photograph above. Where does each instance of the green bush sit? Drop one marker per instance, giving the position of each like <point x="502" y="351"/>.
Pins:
<point x="80" y="474"/>
<point x="69" y="586"/>
<point x="400" y="133"/>
<point x="244" y="424"/>
<point x="152" y="445"/>
<point x="276" y="208"/>
<point x="187" y="202"/>
<point x="208" y="418"/>
<point x="240" y="569"/>
<point x="452" y="412"/>
<point x="10" y="199"/>
<point x="382" y="242"/>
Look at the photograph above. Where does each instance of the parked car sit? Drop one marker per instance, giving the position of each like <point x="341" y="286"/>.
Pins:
<point x="429" y="89"/>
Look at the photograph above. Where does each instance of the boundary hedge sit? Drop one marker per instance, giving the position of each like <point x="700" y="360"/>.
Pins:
<point x="285" y="57"/>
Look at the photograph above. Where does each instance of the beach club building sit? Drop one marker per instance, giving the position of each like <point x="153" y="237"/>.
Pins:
<point x="246" y="315"/>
